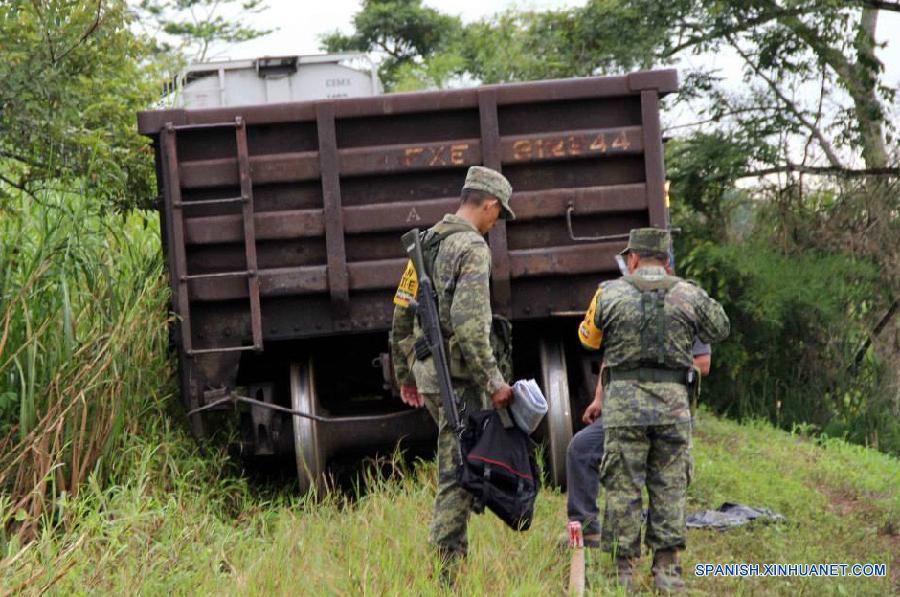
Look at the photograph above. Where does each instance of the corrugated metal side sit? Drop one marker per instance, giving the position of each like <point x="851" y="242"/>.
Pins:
<point x="245" y="86"/>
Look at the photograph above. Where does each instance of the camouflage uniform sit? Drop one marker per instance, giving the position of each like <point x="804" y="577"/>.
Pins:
<point x="646" y="413"/>
<point x="461" y="279"/>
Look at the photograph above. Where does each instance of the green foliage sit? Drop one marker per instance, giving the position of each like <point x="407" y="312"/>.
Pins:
<point x="74" y="76"/>
<point x="177" y="522"/>
<point x="73" y="79"/>
<point x="797" y="322"/>
<point x="598" y="38"/>
<point x="823" y="47"/>
<point x="422" y="47"/>
<point x="83" y="343"/>
<point x="805" y="274"/>
<point x="819" y="45"/>
<point x="702" y="170"/>
<point x="519" y="46"/>
<point x="198" y="24"/>
<point x="404" y="30"/>
<point x="431" y="73"/>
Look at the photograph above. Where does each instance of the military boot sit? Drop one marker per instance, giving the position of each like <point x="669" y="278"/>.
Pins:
<point x="667" y="571"/>
<point x="624" y="572"/>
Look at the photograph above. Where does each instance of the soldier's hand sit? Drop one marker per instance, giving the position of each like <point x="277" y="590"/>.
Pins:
<point x="594" y="410"/>
<point x="410" y="395"/>
<point x="502" y="397"/>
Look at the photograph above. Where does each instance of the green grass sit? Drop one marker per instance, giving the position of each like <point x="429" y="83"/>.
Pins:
<point x="82" y="345"/>
<point x="102" y="493"/>
<point x="178" y="523"/>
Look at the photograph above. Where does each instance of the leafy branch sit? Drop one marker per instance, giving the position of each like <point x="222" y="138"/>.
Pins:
<point x="839" y="171"/>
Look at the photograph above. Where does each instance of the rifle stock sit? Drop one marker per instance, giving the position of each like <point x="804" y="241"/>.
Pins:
<point x="427" y="310"/>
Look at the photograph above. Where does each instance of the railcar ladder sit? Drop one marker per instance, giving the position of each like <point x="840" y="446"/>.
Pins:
<point x="174" y="209"/>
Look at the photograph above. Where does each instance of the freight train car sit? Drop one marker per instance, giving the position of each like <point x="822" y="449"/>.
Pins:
<point x="281" y="227"/>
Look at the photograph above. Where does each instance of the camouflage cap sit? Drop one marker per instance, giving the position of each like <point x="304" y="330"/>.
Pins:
<point x="480" y="178"/>
<point x="648" y="240"/>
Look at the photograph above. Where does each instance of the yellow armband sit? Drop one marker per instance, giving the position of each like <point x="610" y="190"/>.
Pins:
<point x="588" y="333"/>
<point x="409" y="286"/>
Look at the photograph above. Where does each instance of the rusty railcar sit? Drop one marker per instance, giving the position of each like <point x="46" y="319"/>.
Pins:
<point x="281" y="227"/>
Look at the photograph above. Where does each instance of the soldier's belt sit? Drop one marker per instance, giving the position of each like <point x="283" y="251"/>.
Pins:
<point x="649" y="374"/>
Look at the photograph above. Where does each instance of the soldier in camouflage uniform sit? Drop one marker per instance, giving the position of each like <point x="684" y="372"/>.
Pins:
<point x="647" y="322"/>
<point x="461" y="275"/>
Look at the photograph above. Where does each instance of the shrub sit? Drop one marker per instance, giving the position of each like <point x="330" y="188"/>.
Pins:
<point x="83" y="338"/>
<point x="797" y="324"/>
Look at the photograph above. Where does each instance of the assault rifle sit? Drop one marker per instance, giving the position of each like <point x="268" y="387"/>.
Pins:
<point x="427" y="309"/>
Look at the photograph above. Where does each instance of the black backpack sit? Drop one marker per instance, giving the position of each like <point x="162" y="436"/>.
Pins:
<point x="499" y="467"/>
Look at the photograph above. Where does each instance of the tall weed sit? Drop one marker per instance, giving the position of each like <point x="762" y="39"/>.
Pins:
<point x="83" y="323"/>
<point x="798" y="322"/>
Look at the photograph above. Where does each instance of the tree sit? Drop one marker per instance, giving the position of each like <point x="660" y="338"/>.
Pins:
<point x="799" y="56"/>
<point x="74" y="76"/>
<point x="403" y="31"/>
<point x="198" y="24"/>
<point x="73" y="79"/>
<point x="802" y="54"/>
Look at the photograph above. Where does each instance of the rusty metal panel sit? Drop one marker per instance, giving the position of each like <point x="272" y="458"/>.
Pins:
<point x="335" y="183"/>
<point x="492" y="157"/>
<point x="653" y="156"/>
<point x="175" y="226"/>
<point x="249" y="221"/>
<point x="334" y="217"/>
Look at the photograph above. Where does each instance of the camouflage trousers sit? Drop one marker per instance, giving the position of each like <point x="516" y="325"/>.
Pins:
<point x="452" y="503"/>
<point x="657" y="456"/>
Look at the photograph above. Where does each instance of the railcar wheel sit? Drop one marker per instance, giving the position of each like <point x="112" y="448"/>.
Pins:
<point x="559" y="417"/>
<point x="308" y="449"/>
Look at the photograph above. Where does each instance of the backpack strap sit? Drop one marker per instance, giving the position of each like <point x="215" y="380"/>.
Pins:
<point x="432" y="238"/>
<point x="660" y="325"/>
<point x="653" y="311"/>
<point x="641" y="283"/>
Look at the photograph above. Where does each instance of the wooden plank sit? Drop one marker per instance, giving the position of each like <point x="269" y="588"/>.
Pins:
<point x="552" y="203"/>
<point x="564" y="261"/>
<point x="401" y="216"/>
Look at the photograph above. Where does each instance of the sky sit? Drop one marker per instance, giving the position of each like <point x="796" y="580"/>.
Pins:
<point x="298" y="24"/>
